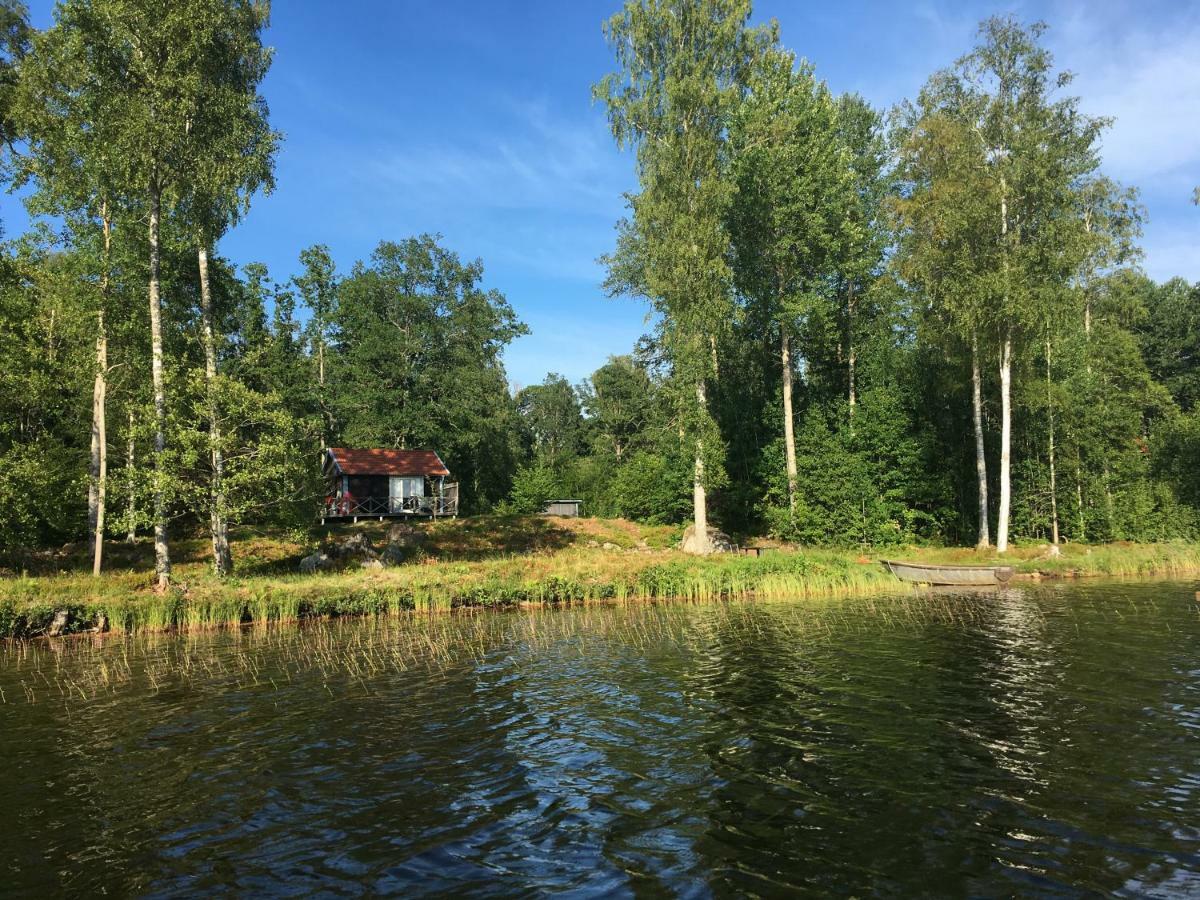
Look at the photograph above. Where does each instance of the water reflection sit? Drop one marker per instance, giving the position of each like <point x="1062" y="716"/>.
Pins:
<point x="1038" y="740"/>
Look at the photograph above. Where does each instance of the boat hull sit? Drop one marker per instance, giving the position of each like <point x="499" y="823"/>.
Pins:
<point x="951" y="576"/>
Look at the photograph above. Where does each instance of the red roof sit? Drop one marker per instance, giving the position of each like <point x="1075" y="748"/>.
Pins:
<point x="387" y="462"/>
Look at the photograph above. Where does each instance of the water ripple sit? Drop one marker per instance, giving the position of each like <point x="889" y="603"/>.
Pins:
<point x="1042" y="741"/>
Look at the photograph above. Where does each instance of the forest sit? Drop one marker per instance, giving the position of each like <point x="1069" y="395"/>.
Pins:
<point x="868" y="327"/>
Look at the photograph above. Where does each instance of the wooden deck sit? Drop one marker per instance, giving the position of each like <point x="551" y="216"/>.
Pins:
<point x="428" y="507"/>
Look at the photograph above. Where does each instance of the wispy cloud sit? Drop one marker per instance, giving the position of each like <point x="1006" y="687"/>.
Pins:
<point x="1144" y="72"/>
<point x="534" y="160"/>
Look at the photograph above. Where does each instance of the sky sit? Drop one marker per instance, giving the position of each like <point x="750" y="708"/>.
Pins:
<point x="473" y="120"/>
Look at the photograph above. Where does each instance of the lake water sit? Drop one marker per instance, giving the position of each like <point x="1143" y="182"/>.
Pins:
<point x="1043" y="741"/>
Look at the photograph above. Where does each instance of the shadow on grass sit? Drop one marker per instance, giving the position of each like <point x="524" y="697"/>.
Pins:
<point x="253" y="555"/>
<point x="485" y="537"/>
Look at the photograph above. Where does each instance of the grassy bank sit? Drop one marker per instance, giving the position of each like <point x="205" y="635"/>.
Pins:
<point x="486" y="563"/>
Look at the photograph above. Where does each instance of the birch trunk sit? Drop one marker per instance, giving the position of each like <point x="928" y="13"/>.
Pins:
<point x="1079" y="497"/>
<point x="162" y="553"/>
<point x="130" y="447"/>
<point x="98" y="490"/>
<point x="789" y="431"/>
<point x="985" y="538"/>
<point x="1005" y="391"/>
<point x="1005" y="443"/>
<point x="699" y="494"/>
<point x="1054" y="549"/>
<point x="222" y="558"/>
<point x="851" y="356"/>
<point x="98" y="487"/>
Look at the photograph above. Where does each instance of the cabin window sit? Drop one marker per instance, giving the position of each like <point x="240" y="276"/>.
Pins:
<point x="403" y="489"/>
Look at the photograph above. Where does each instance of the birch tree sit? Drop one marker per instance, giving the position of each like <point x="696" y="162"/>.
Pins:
<point x="1021" y="157"/>
<point x="232" y="150"/>
<point x="68" y="160"/>
<point x="140" y="73"/>
<point x="681" y="63"/>
<point x="941" y="214"/>
<point x="791" y="221"/>
<point x="317" y="288"/>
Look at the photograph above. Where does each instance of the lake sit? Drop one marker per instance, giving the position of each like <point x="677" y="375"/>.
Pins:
<point x="1045" y="740"/>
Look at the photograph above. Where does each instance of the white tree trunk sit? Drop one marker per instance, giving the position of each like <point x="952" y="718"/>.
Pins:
<point x="789" y="431"/>
<point x="851" y="355"/>
<point x="1054" y="540"/>
<point x="98" y="489"/>
<point x="162" y="553"/>
<point x="699" y="494"/>
<point x="219" y="525"/>
<point x="1079" y="498"/>
<point x="1005" y="443"/>
<point x="130" y="448"/>
<point x="985" y="538"/>
<point x="321" y="388"/>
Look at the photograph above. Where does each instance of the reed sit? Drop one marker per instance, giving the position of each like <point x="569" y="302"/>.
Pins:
<point x="124" y="602"/>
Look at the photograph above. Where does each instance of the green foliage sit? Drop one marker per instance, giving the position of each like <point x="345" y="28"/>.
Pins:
<point x="533" y="485"/>
<point x="268" y="479"/>
<point x="766" y="209"/>
<point x="417" y="363"/>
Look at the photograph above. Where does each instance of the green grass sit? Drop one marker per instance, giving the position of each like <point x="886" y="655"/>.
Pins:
<point x="554" y="562"/>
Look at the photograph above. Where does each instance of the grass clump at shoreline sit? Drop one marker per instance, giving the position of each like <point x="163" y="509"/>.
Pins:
<point x="125" y="604"/>
<point x="524" y="562"/>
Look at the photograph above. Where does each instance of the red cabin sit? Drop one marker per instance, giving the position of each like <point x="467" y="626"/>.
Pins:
<point x="387" y="483"/>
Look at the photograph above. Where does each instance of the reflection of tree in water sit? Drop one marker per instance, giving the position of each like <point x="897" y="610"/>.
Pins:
<point x="866" y="756"/>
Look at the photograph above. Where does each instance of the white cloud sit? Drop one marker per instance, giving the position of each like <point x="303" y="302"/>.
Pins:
<point x="1146" y="75"/>
<point x="535" y="161"/>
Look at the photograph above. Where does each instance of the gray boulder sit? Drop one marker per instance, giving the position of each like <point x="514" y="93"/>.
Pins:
<point x="315" y="563"/>
<point x="394" y="555"/>
<point x="718" y="542"/>
<point x="372" y="564"/>
<point x="357" y="544"/>
<point x="404" y="535"/>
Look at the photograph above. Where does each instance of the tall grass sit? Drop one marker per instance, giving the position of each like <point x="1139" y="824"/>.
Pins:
<point x="125" y="603"/>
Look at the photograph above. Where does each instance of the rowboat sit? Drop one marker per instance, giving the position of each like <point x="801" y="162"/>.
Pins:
<point x="960" y="576"/>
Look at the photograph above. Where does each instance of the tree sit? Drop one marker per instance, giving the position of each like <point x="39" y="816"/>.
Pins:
<point x="789" y="221"/>
<point x="943" y="218"/>
<point x="618" y="398"/>
<point x="554" y="420"/>
<point x="146" y="78"/>
<point x="682" y="64"/>
<point x="416" y="362"/>
<point x="860" y="131"/>
<point x="1023" y="156"/>
<point x="69" y="161"/>
<point x="318" y="291"/>
<point x="232" y="158"/>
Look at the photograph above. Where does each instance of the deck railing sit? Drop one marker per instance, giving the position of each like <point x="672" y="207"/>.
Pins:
<point x="433" y="505"/>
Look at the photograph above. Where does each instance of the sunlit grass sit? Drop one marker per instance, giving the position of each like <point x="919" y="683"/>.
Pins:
<point x="125" y="602"/>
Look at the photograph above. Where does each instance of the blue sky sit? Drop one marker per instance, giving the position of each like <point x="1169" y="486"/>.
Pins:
<point x="474" y="119"/>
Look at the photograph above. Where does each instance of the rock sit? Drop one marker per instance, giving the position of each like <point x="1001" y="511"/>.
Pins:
<point x="59" y="625"/>
<point x="358" y="544"/>
<point x="593" y="543"/>
<point x="718" y="541"/>
<point x="404" y="535"/>
<point x="609" y="545"/>
<point x="315" y="563"/>
<point x="373" y="564"/>
<point x="394" y="555"/>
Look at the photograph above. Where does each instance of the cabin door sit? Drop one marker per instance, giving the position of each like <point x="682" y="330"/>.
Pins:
<point x="403" y="488"/>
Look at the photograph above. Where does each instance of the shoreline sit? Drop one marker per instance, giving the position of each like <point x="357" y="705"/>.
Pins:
<point x="121" y="603"/>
